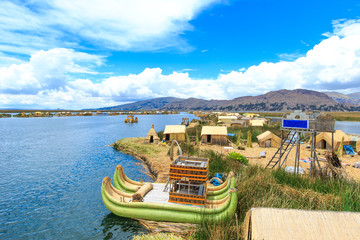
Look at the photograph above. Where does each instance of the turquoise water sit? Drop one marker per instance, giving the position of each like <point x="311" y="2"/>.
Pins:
<point x="51" y="171"/>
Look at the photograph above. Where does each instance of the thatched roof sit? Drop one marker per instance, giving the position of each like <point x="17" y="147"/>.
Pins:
<point x="153" y="133"/>
<point x="227" y="117"/>
<point x="257" y="123"/>
<point x="174" y="129"/>
<point x="273" y="223"/>
<point x="268" y="135"/>
<point x="214" y="130"/>
<point x="338" y="134"/>
<point x="241" y="122"/>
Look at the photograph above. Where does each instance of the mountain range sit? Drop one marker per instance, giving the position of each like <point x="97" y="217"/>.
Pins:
<point x="281" y="100"/>
<point x="353" y="98"/>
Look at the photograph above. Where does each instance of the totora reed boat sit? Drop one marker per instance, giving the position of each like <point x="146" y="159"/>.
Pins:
<point x="150" y="201"/>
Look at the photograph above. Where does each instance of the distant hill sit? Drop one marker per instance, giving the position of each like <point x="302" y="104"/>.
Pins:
<point x="281" y="100"/>
<point x="352" y="98"/>
<point x="151" y="104"/>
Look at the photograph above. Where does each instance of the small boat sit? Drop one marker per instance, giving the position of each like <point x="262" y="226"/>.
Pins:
<point x="131" y="119"/>
<point x="150" y="201"/>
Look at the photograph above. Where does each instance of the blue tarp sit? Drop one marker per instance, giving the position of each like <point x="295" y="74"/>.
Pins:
<point x="349" y="150"/>
<point x="231" y="134"/>
<point x="214" y="181"/>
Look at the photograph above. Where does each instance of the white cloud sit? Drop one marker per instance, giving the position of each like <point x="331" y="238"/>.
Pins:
<point x="138" y="25"/>
<point x="45" y="70"/>
<point x="333" y="64"/>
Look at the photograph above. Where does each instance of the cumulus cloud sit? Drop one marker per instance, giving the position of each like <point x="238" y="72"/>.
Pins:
<point x="333" y="64"/>
<point x="46" y="70"/>
<point x="138" y="25"/>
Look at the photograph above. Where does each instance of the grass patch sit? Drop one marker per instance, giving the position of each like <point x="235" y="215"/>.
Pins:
<point x="135" y="145"/>
<point x="259" y="187"/>
<point x="237" y="156"/>
<point x="255" y="131"/>
<point x="346" y="116"/>
<point x="209" y="229"/>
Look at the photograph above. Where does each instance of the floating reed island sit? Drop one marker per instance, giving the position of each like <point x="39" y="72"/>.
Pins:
<point x="336" y="188"/>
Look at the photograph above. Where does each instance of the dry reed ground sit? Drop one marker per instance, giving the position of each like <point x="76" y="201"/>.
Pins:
<point x="157" y="159"/>
<point x="253" y="156"/>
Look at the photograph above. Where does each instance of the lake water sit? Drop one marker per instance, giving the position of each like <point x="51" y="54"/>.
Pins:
<point x="51" y="171"/>
<point x="348" y="127"/>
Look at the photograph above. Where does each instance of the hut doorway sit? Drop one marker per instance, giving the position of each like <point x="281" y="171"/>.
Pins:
<point x="167" y="137"/>
<point x="323" y="144"/>
<point x="268" y="143"/>
<point x="208" y="138"/>
<point x="151" y="139"/>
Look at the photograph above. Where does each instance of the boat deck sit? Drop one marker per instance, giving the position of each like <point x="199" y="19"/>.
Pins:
<point x="157" y="195"/>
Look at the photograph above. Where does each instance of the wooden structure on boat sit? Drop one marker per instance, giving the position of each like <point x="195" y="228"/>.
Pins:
<point x="152" y="136"/>
<point x="293" y="126"/>
<point x="187" y="178"/>
<point x="185" y="121"/>
<point x="131" y="119"/>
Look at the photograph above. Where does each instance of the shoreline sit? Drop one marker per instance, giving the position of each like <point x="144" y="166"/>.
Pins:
<point x="154" y="157"/>
<point x="142" y="158"/>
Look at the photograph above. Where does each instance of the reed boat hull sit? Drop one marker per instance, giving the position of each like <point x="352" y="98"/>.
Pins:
<point x="171" y="212"/>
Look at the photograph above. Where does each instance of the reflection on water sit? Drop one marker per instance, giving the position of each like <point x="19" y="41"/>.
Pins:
<point x="51" y="171"/>
<point x="112" y="224"/>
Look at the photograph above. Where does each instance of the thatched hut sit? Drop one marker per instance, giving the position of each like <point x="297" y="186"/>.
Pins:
<point x="239" y="123"/>
<point x="257" y="122"/>
<point x="358" y="147"/>
<point x="324" y="140"/>
<point x="268" y="139"/>
<point x="227" y="119"/>
<point x="38" y="114"/>
<point x="152" y="136"/>
<point x="298" y="224"/>
<point x="175" y="132"/>
<point x="214" y="135"/>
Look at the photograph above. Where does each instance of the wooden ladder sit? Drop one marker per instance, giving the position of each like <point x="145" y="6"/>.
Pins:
<point x="285" y="143"/>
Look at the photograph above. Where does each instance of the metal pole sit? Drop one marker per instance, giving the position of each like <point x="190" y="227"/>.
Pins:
<point x="296" y="153"/>
<point x="332" y="142"/>
<point x="312" y="154"/>
<point x="281" y="146"/>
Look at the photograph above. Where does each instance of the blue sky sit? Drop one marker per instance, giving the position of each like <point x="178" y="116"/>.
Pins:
<point x="80" y="54"/>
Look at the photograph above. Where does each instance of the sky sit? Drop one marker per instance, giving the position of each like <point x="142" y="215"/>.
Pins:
<point x="89" y="53"/>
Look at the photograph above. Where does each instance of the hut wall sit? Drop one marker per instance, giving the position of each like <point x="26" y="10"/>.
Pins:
<point x="180" y="137"/>
<point x="262" y="143"/>
<point x="323" y="144"/>
<point x="204" y="139"/>
<point x="273" y="143"/>
<point x="219" y="140"/>
<point x="216" y="139"/>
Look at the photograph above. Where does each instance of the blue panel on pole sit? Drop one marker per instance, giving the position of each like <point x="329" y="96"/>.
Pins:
<point x="303" y="124"/>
